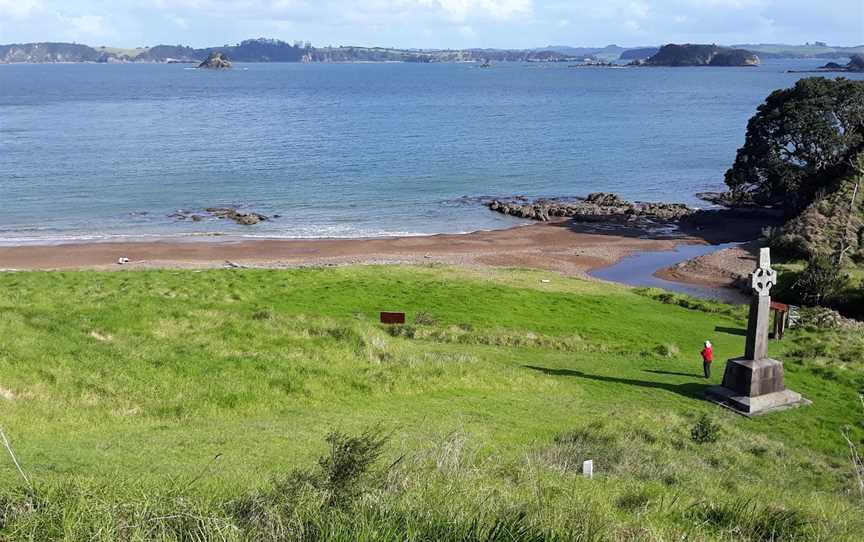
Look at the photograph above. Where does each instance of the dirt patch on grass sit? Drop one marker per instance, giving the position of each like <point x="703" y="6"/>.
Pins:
<point x="101" y="337"/>
<point x="7" y="394"/>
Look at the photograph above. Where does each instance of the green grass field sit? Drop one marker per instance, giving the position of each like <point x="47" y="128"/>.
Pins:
<point x="174" y="405"/>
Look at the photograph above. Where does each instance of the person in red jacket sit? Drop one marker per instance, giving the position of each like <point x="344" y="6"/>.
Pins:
<point x="707" y="358"/>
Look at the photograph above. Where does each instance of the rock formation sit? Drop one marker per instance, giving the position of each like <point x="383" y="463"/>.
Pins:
<point x="855" y="65"/>
<point x="216" y="61"/>
<point x="597" y="207"/>
<point x="223" y="213"/>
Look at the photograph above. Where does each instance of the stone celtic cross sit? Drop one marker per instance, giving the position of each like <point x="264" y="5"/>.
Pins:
<point x="755" y="384"/>
<point x="762" y="280"/>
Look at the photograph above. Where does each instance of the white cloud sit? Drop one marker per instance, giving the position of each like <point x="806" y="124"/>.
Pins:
<point x="19" y="9"/>
<point x="639" y="10"/>
<point x="180" y="22"/>
<point x="632" y="25"/>
<point x="727" y="4"/>
<point x="85" y="26"/>
<point x="467" y="32"/>
<point x="457" y="10"/>
<point x="497" y="9"/>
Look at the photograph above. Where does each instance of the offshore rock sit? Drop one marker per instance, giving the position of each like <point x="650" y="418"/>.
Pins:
<point x="224" y="213"/>
<point x="246" y="219"/>
<point x="216" y="61"/>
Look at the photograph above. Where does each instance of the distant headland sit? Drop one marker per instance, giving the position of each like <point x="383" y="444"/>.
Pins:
<point x="270" y="50"/>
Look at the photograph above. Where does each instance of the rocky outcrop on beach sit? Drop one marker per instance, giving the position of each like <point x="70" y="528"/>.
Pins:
<point x="222" y="213"/>
<point x="216" y="61"/>
<point x="597" y="207"/>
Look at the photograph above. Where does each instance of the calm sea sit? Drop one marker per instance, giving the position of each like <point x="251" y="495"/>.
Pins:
<point x="110" y="151"/>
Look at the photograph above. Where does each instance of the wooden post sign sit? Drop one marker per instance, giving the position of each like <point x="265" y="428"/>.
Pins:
<point x="393" y="318"/>
<point x="781" y="319"/>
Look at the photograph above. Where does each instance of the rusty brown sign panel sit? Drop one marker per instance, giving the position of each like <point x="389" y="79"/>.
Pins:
<point x="392" y="317"/>
<point x="782" y="307"/>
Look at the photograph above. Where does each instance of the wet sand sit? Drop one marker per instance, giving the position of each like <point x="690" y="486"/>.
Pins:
<point x="549" y="246"/>
<point x="722" y="268"/>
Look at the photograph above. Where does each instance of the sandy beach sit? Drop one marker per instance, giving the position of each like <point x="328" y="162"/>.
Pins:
<point x="550" y="246"/>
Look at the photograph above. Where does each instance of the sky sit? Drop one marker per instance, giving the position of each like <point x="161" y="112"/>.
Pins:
<point x="433" y="23"/>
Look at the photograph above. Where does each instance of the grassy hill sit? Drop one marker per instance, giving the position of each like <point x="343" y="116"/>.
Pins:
<point x="188" y="405"/>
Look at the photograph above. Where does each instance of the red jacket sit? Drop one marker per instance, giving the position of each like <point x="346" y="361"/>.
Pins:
<point x="708" y="354"/>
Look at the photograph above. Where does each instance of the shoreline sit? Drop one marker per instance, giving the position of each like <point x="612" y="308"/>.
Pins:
<point x="557" y="246"/>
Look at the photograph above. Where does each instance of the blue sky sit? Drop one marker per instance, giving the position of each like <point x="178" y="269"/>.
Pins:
<point x="433" y="23"/>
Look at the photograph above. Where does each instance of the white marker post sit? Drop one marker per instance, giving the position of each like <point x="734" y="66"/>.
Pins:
<point x="588" y="469"/>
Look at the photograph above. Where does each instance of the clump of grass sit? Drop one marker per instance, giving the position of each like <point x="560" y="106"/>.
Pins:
<point x="744" y="520"/>
<point x="687" y="302"/>
<point x="667" y="350"/>
<point x="494" y="337"/>
<point x="855" y="456"/>
<point x="569" y="450"/>
<point x="758" y="451"/>
<point x="425" y="319"/>
<point x="263" y="314"/>
<point x="633" y="501"/>
<point x="705" y="430"/>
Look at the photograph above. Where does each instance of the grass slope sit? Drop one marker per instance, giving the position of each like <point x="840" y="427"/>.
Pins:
<point x="118" y="390"/>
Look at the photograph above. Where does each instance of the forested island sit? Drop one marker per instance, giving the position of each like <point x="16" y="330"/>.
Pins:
<point x="700" y="55"/>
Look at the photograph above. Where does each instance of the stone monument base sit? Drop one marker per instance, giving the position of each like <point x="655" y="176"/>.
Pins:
<point x="755" y="387"/>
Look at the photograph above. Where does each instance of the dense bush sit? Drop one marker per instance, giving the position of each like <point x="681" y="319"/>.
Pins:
<point x="820" y="281"/>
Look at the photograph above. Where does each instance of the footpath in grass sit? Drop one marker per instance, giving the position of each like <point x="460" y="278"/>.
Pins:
<point x="195" y="394"/>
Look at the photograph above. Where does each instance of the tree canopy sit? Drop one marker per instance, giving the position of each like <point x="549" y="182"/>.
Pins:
<point x="799" y="141"/>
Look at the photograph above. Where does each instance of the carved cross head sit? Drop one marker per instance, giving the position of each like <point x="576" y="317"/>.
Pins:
<point x="764" y="278"/>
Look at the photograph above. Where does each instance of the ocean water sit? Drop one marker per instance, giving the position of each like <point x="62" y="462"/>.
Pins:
<point x="108" y="152"/>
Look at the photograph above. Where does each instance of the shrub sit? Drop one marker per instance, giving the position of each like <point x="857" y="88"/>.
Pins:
<point x="346" y="467"/>
<point x="789" y="245"/>
<point x="820" y="281"/>
<point x="705" y="431"/>
<point x="425" y="319"/>
<point x="667" y="350"/>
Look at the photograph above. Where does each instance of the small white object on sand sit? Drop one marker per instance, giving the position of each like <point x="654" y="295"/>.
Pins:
<point x="122" y="261"/>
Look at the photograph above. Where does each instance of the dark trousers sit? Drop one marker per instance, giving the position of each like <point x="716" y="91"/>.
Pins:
<point x="707" y="366"/>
